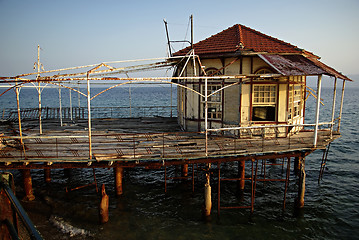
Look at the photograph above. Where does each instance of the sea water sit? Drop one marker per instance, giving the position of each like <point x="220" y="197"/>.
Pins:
<point x="146" y="211"/>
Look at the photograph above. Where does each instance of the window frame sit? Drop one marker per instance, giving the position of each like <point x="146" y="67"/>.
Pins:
<point x="264" y="98"/>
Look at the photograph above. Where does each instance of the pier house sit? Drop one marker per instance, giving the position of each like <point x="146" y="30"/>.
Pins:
<point x="241" y="97"/>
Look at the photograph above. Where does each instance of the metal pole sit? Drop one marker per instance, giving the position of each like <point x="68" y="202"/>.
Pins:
<point x="171" y="100"/>
<point x="70" y="104"/>
<point x="168" y="38"/>
<point x="191" y="31"/>
<point x="39" y="87"/>
<point x="89" y="116"/>
<point x="206" y="113"/>
<point x="319" y="88"/>
<point x="341" y="106"/>
<point x="333" y="107"/>
<point x="129" y="96"/>
<point x="60" y="105"/>
<point x="17" y="91"/>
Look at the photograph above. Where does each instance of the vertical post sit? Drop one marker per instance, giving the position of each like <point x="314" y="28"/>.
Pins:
<point x="47" y="175"/>
<point x="219" y="189"/>
<point x="241" y="172"/>
<point x="333" y="107"/>
<point x="184" y="170"/>
<point x="191" y="31"/>
<point x="207" y="194"/>
<point x="168" y="39"/>
<point x="286" y="182"/>
<point x="60" y="113"/>
<point x="301" y="190"/>
<point x="319" y="88"/>
<point x="206" y="113"/>
<point x="171" y="100"/>
<point x="28" y="185"/>
<point x="70" y="104"/>
<point x="341" y="106"/>
<point x="118" y="180"/>
<point x="78" y="98"/>
<point x="39" y="86"/>
<point x="297" y="164"/>
<point x="129" y="99"/>
<point x="17" y="91"/>
<point x="89" y="115"/>
<point x="104" y="205"/>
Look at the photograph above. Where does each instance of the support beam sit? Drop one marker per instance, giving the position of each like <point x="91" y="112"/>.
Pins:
<point x="241" y="173"/>
<point x="89" y="116"/>
<point x="297" y="164"/>
<point x="104" y="205"/>
<point x="341" y="106"/>
<point x="319" y="90"/>
<point x="118" y="180"/>
<point x="47" y="175"/>
<point x="184" y="170"/>
<point x="17" y="91"/>
<point x="333" y="107"/>
<point x="207" y="195"/>
<point x="301" y="188"/>
<point x="29" y="195"/>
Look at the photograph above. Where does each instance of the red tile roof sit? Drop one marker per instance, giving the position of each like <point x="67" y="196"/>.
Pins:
<point x="240" y="38"/>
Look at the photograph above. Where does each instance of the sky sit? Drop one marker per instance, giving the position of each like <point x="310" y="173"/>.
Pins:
<point x="78" y="32"/>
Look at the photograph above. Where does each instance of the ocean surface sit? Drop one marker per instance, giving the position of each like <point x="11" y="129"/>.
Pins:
<point x="146" y="211"/>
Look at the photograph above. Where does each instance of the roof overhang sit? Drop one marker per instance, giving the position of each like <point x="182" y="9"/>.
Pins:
<point x="298" y="65"/>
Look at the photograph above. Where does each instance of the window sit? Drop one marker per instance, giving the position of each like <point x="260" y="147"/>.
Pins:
<point x="263" y="71"/>
<point x="264" y="102"/>
<point x="294" y="100"/>
<point x="214" y="102"/>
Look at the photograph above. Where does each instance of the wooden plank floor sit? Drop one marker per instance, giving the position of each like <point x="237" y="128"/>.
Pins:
<point x="140" y="139"/>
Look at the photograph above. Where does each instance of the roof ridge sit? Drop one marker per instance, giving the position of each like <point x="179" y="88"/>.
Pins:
<point x="241" y="43"/>
<point x="269" y="36"/>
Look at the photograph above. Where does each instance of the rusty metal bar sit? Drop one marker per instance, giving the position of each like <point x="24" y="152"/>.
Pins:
<point x="319" y="90"/>
<point x="333" y="106"/>
<point x="286" y="182"/>
<point x="219" y="189"/>
<point x="89" y="116"/>
<point x="341" y="106"/>
<point x="17" y="91"/>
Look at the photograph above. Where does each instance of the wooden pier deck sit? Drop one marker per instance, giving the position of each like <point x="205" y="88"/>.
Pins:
<point x="139" y="141"/>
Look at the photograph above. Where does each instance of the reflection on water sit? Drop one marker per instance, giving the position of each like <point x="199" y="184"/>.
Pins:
<point x="145" y="211"/>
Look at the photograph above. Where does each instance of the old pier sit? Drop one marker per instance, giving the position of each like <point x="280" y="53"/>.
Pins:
<point x="236" y="102"/>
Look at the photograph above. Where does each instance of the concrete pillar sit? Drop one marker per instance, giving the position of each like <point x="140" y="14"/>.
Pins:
<point x="118" y="180"/>
<point x="241" y="173"/>
<point x="104" y="205"/>
<point x="29" y="195"/>
<point x="47" y="175"/>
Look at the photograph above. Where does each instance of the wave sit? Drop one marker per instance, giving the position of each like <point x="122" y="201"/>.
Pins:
<point x="67" y="228"/>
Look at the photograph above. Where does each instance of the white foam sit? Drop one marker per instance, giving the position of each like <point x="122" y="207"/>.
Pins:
<point x="66" y="227"/>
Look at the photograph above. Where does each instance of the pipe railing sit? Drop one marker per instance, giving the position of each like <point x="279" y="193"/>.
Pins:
<point x="159" y="145"/>
<point x="17" y="207"/>
<point x="96" y="112"/>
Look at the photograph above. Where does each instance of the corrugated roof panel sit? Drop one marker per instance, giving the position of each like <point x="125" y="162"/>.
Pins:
<point x="298" y="65"/>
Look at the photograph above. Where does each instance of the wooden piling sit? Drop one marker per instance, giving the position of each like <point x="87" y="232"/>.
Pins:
<point x="29" y="195"/>
<point x="104" y="205"/>
<point x="297" y="164"/>
<point x="207" y="196"/>
<point x="118" y="180"/>
<point x="184" y="170"/>
<point x="301" y="189"/>
<point x="47" y="175"/>
<point x="241" y="173"/>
